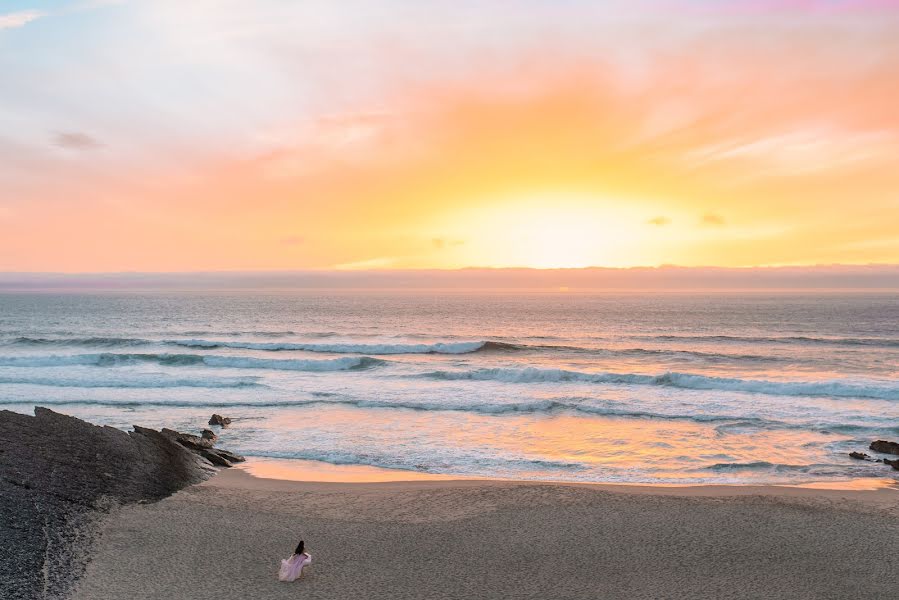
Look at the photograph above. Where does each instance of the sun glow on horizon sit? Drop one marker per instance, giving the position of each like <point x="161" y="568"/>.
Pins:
<point x="549" y="231"/>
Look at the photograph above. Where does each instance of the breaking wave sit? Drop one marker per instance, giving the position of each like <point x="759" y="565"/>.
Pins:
<point x="761" y="465"/>
<point x="346" y="363"/>
<point x="462" y="347"/>
<point x="795" y="339"/>
<point x="444" y="347"/>
<point x="676" y="380"/>
<point x="89" y="342"/>
<point x="150" y="381"/>
<point x="399" y="463"/>
<point x="350" y="348"/>
<point x="648" y="352"/>
<point x="571" y="405"/>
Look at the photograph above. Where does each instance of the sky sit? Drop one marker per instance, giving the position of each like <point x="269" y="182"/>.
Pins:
<point x="172" y="136"/>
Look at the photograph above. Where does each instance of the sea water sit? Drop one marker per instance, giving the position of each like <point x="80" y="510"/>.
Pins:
<point x="642" y="387"/>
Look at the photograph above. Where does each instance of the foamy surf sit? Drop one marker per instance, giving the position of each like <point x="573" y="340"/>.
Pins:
<point x="343" y="348"/>
<point x="149" y="381"/>
<point x="800" y="340"/>
<point x="840" y="389"/>
<point x="346" y="363"/>
<point x="625" y="388"/>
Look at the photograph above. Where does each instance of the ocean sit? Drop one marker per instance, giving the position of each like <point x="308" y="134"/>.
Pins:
<point x="630" y="388"/>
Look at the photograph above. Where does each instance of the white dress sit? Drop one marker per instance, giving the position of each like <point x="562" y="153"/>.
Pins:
<point x="292" y="567"/>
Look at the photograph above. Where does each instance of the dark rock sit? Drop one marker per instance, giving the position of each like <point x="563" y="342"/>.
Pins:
<point x="187" y="440"/>
<point x="209" y="434"/>
<point x="892" y="463"/>
<point x="885" y="447"/>
<point x="859" y="456"/>
<point x="221" y="458"/>
<point x="59" y="474"/>
<point x="229" y="456"/>
<point x="81" y="462"/>
<point x="215" y="458"/>
<point x="219" y="420"/>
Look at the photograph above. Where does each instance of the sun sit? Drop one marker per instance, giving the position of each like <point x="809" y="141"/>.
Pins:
<point x="550" y="231"/>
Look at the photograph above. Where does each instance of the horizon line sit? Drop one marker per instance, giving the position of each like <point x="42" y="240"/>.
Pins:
<point x="819" y="277"/>
<point x="335" y="270"/>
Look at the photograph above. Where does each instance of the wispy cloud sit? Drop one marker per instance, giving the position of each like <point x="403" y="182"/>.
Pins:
<point x="92" y="4"/>
<point x="384" y="262"/>
<point x="441" y="243"/>
<point x="712" y="219"/>
<point x="20" y="18"/>
<point x="74" y="140"/>
<point x="659" y="221"/>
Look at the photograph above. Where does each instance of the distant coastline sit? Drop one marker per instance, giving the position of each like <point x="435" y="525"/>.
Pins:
<point x="855" y="278"/>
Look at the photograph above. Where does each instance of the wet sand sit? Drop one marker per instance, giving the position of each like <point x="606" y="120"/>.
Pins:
<point x="491" y="539"/>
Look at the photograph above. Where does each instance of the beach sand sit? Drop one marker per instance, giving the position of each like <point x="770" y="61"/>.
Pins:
<point x="490" y="539"/>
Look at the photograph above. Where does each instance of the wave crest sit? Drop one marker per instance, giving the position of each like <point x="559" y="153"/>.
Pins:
<point x="344" y="348"/>
<point x="143" y="382"/>
<point x="676" y="380"/>
<point x="789" y="339"/>
<point x="346" y="363"/>
<point x="91" y="342"/>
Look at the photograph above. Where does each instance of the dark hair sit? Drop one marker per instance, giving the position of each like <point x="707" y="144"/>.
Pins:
<point x="300" y="547"/>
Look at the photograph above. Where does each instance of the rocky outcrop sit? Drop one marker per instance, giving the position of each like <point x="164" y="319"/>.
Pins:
<point x="191" y="442"/>
<point x="859" y="456"/>
<point x="219" y="420"/>
<point x="885" y="447"/>
<point x="203" y="446"/>
<point x="892" y="463"/>
<point x="58" y="473"/>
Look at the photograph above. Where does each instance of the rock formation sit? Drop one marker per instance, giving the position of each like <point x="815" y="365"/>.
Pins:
<point x="219" y="420"/>
<point x="885" y="447"/>
<point x="58" y="474"/>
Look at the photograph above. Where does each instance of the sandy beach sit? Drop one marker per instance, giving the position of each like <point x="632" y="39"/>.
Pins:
<point x="487" y="539"/>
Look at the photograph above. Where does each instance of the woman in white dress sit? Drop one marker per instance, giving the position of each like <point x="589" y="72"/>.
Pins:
<point x="292" y="567"/>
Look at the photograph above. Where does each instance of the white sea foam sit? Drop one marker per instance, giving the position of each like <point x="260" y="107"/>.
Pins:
<point x="344" y="348"/>
<point x="344" y="363"/>
<point x="148" y="381"/>
<point x="883" y="391"/>
<point x="109" y="359"/>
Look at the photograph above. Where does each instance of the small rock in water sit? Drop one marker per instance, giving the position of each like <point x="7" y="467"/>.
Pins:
<point x="885" y="447"/>
<point x="892" y="463"/>
<point x="859" y="456"/>
<point x="209" y="434"/>
<point x="219" y="420"/>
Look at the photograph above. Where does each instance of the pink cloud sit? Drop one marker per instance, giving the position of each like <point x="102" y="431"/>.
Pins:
<point x="774" y="6"/>
<point x="20" y="18"/>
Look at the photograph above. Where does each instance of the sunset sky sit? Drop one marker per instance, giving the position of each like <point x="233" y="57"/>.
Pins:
<point x="189" y="135"/>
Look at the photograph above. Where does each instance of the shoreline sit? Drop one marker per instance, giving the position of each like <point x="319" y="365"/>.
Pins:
<point x="125" y="491"/>
<point x="497" y="539"/>
<point x="309" y="472"/>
